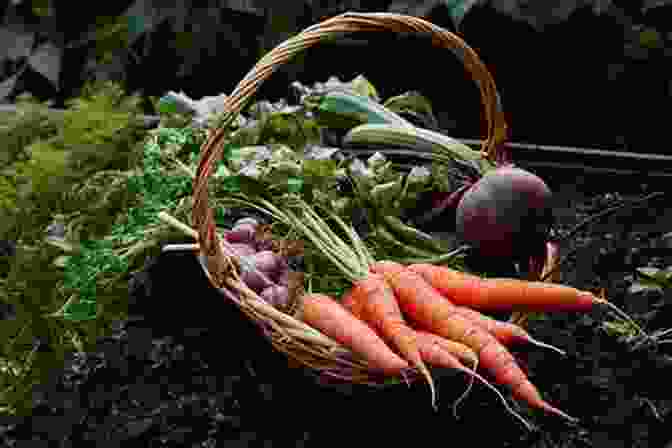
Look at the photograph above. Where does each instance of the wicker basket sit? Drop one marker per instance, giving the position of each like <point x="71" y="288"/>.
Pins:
<point x="288" y="334"/>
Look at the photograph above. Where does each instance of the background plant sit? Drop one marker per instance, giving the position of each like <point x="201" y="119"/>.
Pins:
<point x="72" y="167"/>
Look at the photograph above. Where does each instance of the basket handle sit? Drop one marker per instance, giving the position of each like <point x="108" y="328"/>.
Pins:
<point x="335" y="27"/>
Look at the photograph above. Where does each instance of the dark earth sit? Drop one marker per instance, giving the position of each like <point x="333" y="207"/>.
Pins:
<point x="188" y="370"/>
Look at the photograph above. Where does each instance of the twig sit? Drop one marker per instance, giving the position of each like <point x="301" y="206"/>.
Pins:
<point x="588" y="221"/>
<point x="606" y="212"/>
<point x="653" y="408"/>
<point x="661" y="333"/>
<point x="653" y="339"/>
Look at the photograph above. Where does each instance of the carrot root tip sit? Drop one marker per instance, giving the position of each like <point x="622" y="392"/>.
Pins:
<point x="464" y="394"/>
<point x="562" y="414"/>
<point x="425" y="372"/>
<point x="509" y="409"/>
<point x="538" y="343"/>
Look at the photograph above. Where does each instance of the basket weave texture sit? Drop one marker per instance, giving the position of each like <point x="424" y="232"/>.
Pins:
<point x="286" y="333"/>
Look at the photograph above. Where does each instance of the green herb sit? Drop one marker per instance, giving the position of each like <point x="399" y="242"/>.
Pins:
<point x="76" y="164"/>
<point x="159" y="192"/>
<point x="108" y="178"/>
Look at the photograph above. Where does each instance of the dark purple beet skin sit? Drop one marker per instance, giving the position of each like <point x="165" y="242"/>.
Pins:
<point x="505" y="214"/>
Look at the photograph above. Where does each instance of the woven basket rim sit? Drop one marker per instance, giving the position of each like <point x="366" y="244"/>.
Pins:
<point x="286" y="332"/>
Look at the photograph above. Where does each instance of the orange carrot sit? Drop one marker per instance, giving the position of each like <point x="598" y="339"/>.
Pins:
<point x="457" y="349"/>
<point x="379" y="306"/>
<point x="438" y="351"/>
<point x="352" y="305"/>
<point x="505" y="332"/>
<point x="372" y="299"/>
<point x="424" y="304"/>
<point x="330" y="317"/>
<point x="442" y="352"/>
<point x="511" y="294"/>
<point x="502" y="294"/>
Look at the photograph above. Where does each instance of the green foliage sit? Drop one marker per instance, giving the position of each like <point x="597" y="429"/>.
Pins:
<point x="106" y="180"/>
<point x="7" y="195"/>
<point x="111" y="36"/>
<point x="50" y="152"/>
<point x="42" y="8"/>
<point x="650" y="278"/>
<point x="111" y="256"/>
<point x="31" y="287"/>
<point x="46" y="170"/>
<point x="651" y="38"/>
<point x="75" y="165"/>
<point x="158" y="190"/>
<point x="101" y="129"/>
<point x="30" y="123"/>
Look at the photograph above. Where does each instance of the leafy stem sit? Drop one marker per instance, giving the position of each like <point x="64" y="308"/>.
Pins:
<point x="159" y="192"/>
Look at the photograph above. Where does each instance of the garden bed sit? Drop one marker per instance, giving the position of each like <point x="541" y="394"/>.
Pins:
<point x="192" y="371"/>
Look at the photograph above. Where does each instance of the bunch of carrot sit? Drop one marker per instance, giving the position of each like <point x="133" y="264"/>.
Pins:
<point x="399" y="316"/>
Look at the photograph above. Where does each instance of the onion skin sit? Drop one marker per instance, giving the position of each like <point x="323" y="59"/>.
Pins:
<point x="256" y="280"/>
<point x="283" y="278"/>
<point x="271" y="264"/>
<point x="505" y="214"/>
<point x="267" y="261"/>
<point x="243" y="250"/>
<point x="243" y="233"/>
<point x="249" y="221"/>
<point x="276" y="295"/>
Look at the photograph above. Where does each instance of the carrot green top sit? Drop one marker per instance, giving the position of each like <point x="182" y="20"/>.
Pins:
<point x="352" y="261"/>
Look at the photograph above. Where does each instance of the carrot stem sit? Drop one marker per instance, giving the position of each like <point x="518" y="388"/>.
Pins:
<point x="354" y="264"/>
<point x="340" y="256"/>
<point x="360" y="248"/>
<point x="538" y="343"/>
<point x="387" y="238"/>
<point x="435" y="260"/>
<point x="323" y="231"/>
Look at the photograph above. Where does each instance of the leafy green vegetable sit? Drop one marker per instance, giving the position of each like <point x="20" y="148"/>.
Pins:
<point x="415" y="104"/>
<point x="651" y="278"/>
<point x="95" y="160"/>
<point x="106" y="179"/>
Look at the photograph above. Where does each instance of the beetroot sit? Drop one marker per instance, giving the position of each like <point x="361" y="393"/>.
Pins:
<point x="506" y="213"/>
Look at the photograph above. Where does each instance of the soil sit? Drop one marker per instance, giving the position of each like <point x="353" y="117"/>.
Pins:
<point x="188" y="370"/>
